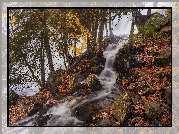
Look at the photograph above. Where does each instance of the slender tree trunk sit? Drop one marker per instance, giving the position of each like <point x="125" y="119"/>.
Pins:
<point x="132" y="30"/>
<point x="110" y="27"/>
<point x="149" y="12"/>
<point x="106" y="29"/>
<point x="101" y="28"/>
<point x="52" y="75"/>
<point x="42" y="57"/>
<point x="88" y="25"/>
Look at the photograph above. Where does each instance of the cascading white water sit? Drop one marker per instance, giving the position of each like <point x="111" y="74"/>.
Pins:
<point x="108" y="75"/>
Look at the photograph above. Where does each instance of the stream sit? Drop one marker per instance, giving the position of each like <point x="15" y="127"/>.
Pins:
<point x="64" y="114"/>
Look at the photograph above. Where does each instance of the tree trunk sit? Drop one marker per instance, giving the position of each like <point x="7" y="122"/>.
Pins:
<point x="132" y="30"/>
<point x="110" y="27"/>
<point x="149" y="12"/>
<point x="52" y="76"/>
<point x="101" y="28"/>
<point x="42" y="57"/>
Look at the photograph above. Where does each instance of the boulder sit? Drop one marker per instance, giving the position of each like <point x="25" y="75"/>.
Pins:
<point x="157" y="21"/>
<point x="86" y="111"/>
<point x="163" y="59"/>
<point x="122" y="110"/>
<point x="40" y="119"/>
<point x="93" y="83"/>
<point x="123" y="107"/>
<point x="153" y="110"/>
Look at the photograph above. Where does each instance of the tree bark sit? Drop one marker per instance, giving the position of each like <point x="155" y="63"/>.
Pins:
<point x="101" y="28"/>
<point x="52" y="77"/>
<point x="42" y="57"/>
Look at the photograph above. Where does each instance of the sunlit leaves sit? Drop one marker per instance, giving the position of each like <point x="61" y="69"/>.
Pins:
<point x="12" y="20"/>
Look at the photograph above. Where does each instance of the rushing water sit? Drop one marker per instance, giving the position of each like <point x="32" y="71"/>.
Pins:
<point x="62" y="114"/>
<point x="108" y="75"/>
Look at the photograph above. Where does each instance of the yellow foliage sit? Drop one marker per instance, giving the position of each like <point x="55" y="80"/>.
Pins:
<point x="150" y="48"/>
<point x="12" y="20"/>
<point x="72" y="47"/>
<point x="83" y="46"/>
<point x="85" y="33"/>
<point x="78" y="51"/>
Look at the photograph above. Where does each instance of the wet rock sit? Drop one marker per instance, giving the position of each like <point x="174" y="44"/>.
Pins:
<point x="13" y="98"/>
<point x="97" y="63"/>
<point x="86" y="111"/>
<point x="113" y="39"/>
<point x="163" y="59"/>
<point x="153" y="110"/>
<point x="79" y="78"/>
<point x="42" y="121"/>
<point x="37" y="106"/>
<point x="38" y="120"/>
<point x="58" y="120"/>
<point x="123" y="107"/>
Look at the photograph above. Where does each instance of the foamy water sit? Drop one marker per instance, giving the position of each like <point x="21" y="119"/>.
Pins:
<point x="62" y="114"/>
<point x="108" y="75"/>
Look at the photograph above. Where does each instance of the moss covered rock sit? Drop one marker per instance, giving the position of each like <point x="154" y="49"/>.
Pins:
<point x="122" y="108"/>
<point x="129" y="97"/>
<point x="93" y="82"/>
<point x="157" y="21"/>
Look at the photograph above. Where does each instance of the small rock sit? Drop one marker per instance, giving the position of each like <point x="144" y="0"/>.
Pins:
<point x="153" y="110"/>
<point x="108" y="121"/>
<point x="159" y="74"/>
<point x="163" y="59"/>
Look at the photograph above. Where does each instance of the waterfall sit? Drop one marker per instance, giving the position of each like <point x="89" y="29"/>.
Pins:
<point x="108" y="75"/>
